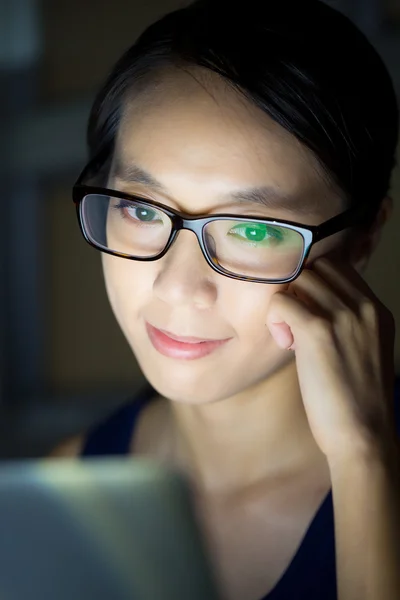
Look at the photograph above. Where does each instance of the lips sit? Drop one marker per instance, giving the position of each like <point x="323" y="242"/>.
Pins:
<point x="182" y="347"/>
<point x="187" y="339"/>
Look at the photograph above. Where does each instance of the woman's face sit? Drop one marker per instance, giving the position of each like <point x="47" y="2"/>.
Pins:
<point x="202" y="150"/>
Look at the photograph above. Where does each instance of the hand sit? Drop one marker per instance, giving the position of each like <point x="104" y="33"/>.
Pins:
<point x="343" y="339"/>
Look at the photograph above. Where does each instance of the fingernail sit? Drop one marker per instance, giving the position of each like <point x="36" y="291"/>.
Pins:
<point x="281" y="335"/>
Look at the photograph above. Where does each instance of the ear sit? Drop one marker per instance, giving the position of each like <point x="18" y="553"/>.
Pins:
<point x="368" y="240"/>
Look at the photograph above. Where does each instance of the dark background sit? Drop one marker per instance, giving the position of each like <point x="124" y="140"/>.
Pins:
<point x="63" y="360"/>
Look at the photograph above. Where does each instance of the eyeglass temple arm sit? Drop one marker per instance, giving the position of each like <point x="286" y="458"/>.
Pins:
<point x="352" y="216"/>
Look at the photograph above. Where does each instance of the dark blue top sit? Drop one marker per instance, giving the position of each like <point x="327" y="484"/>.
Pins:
<point x="311" y="575"/>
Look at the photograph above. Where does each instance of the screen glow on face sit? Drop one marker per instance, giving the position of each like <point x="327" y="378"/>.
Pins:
<point x="252" y="248"/>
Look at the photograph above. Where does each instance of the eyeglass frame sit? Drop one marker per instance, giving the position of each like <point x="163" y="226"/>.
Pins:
<point x="311" y="234"/>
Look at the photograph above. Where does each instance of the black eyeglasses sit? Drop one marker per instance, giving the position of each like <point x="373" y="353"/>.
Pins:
<point x="256" y="249"/>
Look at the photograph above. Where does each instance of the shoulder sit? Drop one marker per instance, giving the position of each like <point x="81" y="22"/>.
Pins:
<point x="396" y="406"/>
<point x="152" y="435"/>
<point x="109" y="435"/>
<point x="69" y="448"/>
<point x="397" y="403"/>
<point x="113" y="434"/>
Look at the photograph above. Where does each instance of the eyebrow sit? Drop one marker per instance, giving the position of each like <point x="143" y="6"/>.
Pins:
<point x="266" y="196"/>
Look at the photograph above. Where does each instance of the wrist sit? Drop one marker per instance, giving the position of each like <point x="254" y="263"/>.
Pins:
<point x="383" y="455"/>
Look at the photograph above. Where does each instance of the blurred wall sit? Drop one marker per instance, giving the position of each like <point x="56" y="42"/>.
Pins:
<point x="82" y="40"/>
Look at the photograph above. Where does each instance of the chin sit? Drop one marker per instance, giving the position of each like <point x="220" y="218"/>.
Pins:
<point x="209" y="379"/>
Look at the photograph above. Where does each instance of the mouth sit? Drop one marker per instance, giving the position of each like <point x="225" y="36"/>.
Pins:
<point x="188" y="339"/>
<point x="182" y="347"/>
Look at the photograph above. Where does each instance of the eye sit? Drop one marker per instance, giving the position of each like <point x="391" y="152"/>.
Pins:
<point x="257" y="232"/>
<point x="138" y="212"/>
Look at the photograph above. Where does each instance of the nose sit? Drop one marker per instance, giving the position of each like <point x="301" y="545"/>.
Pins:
<point x="184" y="276"/>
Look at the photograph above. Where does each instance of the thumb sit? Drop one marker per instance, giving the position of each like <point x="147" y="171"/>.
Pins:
<point x="286" y="318"/>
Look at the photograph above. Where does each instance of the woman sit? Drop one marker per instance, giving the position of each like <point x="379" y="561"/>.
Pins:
<point x="268" y="131"/>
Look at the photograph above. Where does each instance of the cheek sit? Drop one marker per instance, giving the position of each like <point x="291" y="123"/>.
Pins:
<point x="121" y="278"/>
<point x="246" y="307"/>
<point x="256" y="355"/>
<point x="112" y="278"/>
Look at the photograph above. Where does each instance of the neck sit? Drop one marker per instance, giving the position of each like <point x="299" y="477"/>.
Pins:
<point x="241" y="442"/>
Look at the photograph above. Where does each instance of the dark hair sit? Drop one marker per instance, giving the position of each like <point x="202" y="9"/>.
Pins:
<point x="303" y="63"/>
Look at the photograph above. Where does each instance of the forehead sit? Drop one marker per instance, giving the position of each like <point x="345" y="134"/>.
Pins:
<point x="204" y="137"/>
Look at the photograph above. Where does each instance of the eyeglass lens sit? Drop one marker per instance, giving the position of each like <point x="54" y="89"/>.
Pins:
<point x="257" y="249"/>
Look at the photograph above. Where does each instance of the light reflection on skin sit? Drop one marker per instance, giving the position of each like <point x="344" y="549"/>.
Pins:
<point x="200" y="149"/>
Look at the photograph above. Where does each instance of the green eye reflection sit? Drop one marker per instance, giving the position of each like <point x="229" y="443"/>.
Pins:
<point x="258" y="232"/>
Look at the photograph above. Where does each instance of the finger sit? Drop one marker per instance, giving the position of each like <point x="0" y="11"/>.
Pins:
<point x="282" y="335"/>
<point x="321" y="294"/>
<point x="288" y="319"/>
<point x="344" y="277"/>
